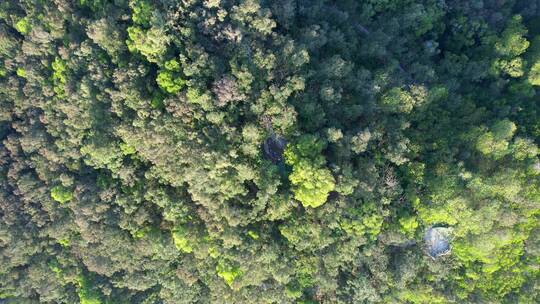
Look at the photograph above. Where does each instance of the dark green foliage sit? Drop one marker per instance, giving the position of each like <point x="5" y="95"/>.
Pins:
<point x="227" y="151"/>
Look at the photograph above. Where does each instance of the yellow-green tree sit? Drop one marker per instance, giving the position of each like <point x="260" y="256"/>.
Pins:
<point x="311" y="181"/>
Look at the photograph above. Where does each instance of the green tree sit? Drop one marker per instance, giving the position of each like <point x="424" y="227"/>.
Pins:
<point x="151" y="43"/>
<point x="534" y="74"/>
<point x="311" y="181"/>
<point x="169" y="78"/>
<point x="23" y="25"/>
<point x="61" y="194"/>
<point x="228" y="272"/>
<point x="397" y="100"/>
<point x="495" y="142"/>
<point x="510" y="46"/>
<point x="142" y="12"/>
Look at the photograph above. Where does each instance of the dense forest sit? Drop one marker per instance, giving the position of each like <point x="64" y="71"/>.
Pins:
<point x="269" y="151"/>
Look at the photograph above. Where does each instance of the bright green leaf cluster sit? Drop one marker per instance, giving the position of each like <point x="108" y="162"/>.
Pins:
<point x="59" y="67"/>
<point x="311" y="181"/>
<point x="87" y="295"/>
<point x="151" y="43"/>
<point x="408" y="225"/>
<point x="365" y="221"/>
<point x="181" y="241"/>
<point x="142" y="12"/>
<point x="397" y="100"/>
<point x="495" y="142"/>
<point x="21" y="72"/>
<point x="127" y="149"/>
<point x="512" y="44"/>
<point x="228" y="272"/>
<point x="254" y="235"/>
<point x="534" y="74"/>
<point x="311" y="184"/>
<point x="422" y="296"/>
<point x="168" y="79"/>
<point x="61" y="194"/>
<point x="23" y="26"/>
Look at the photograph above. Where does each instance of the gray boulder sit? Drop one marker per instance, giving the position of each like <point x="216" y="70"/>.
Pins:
<point x="437" y="241"/>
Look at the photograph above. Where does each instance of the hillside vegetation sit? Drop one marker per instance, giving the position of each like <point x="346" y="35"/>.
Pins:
<point x="257" y="151"/>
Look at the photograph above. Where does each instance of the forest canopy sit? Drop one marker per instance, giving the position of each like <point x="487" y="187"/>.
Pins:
<point x="254" y="151"/>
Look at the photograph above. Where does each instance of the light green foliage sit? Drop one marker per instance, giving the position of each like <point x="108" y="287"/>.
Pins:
<point x="59" y="68"/>
<point x="509" y="46"/>
<point x="87" y="295"/>
<point x="61" y="194"/>
<point x="21" y="72"/>
<point x="513" y="67"/>
<point x="254" y="235"/>
<point x="181" y="241"/>
<point x="172" y="65"/>
<point x="54" y="266"/>
<point x="408" y="225"/>
<point x="127" y="149"/>
<point x="500" y="264"/>
<point x="293" y="292"/>
<point x="59" y="76"/>
<point x="397" y="100"/>
<point x="495" y="142"/>
<point x="100" y="153"/>
<point x="415" y="172"/>
<point x="305" y="269"/>
<point x="524" y="148"/>
<point x="151" y="43"/>
<point x="334" y="134"/>
<point x="213" y="252"/>
<point x="304" y="234"/>
<point x="64" y="242"/>
<point x="504" y="129"/>
<point x="534" y="74"/>
<point x="228" y="272"/>
<point x="169" y="78"/>
<point x="195" y="96"/>
<point x="360" y="141"/>
<point x="513" y="42"/>
<point x="311" y="181"/>
<point x="447" y="212"/>
<point x="311" y="184"/>
<point x="307" y="147"/>
<point x="364" y="221"/>
<point x="139" y="234"/>
<point x="250" y="12"/>
<point x="142" y="12"/>
<point x="23" y="26"/>
<point x="423" y="295"/>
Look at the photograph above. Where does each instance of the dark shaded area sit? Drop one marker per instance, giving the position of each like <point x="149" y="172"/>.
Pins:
<point x="273" y="148"/>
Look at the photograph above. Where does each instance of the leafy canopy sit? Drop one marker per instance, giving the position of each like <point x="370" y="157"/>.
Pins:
<point x="311" y="181"/>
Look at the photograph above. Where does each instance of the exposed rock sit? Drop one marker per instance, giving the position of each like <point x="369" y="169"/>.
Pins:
<point x="437" y="240"/>
<point x="273" y="148"/>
